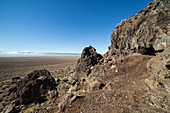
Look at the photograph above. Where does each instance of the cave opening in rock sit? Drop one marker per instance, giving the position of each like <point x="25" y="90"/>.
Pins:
<point x="149" y="51"/>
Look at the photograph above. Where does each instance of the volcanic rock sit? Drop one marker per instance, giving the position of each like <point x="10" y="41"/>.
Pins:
<point x="96" y="85"/>
<point x="159" y="80"/>
<point x="89" y="58"/>
<point x="10" y="109"/>
<point x="159" y="66"/>
<point x="146" y="32"/>
<point x="35" y="87"/>
<point x="67" y="99"/>
<point x="109" y="86"/>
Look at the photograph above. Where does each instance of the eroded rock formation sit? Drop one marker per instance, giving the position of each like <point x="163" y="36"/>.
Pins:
<point x="89" y="58"/>
<point x="34" y="87"/>
<point x="146" y="32"/>
<point x="158" y="82"/>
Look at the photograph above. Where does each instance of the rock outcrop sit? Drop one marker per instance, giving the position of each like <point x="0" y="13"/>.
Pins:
<point x="35" y="87"/>
<point x="89" y="58"/>
<point x="146" y="32"/>
<point x="158" y="68"/>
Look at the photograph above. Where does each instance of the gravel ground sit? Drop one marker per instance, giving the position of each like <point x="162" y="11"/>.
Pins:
<point x="19" y="66"/>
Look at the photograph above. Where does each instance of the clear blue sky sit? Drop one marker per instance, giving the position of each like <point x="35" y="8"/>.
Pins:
<point x="62" y="25"/>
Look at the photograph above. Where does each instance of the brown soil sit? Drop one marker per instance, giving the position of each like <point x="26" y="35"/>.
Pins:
<point x="19" y="66"/>
<point x="129" y="94"/>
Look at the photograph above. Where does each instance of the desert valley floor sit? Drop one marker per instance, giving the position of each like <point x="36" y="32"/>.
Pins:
<point x="18" y="66"/>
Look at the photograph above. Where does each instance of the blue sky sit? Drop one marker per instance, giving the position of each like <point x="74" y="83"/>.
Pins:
<point x="61" y="26"/>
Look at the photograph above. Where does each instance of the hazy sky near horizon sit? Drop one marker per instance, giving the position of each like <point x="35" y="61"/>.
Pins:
<point x="63" y="26"/>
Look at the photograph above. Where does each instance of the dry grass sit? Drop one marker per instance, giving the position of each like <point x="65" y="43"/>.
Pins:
<point x="18" y="66"/>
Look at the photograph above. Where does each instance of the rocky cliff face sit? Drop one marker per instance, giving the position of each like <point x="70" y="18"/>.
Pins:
<point x="159" y="70"/>
<point x="146" y="32"/>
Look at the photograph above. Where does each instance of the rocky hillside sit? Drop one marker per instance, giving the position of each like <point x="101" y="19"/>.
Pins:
<point x="146" y="32"/>
<point x="133" y="76"/>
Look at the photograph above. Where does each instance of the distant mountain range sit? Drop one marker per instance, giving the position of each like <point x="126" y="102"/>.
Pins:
<point x="30" y="54"/>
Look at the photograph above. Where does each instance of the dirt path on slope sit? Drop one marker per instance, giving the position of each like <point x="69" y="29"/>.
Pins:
<point x="129" y="94"/>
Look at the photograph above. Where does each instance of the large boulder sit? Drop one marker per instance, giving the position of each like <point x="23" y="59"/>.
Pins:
<point x="146" y="32"/>
<point x="35" y="87"/>
<point x="89" y="58"/>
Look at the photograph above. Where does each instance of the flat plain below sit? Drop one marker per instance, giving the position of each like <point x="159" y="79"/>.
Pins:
<point x="19" y="66"/>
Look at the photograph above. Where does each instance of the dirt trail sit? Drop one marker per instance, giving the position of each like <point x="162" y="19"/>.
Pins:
<point x="129" y="94"/>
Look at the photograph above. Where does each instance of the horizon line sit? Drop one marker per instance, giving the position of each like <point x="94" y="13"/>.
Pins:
<point x="36" y="54"/>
